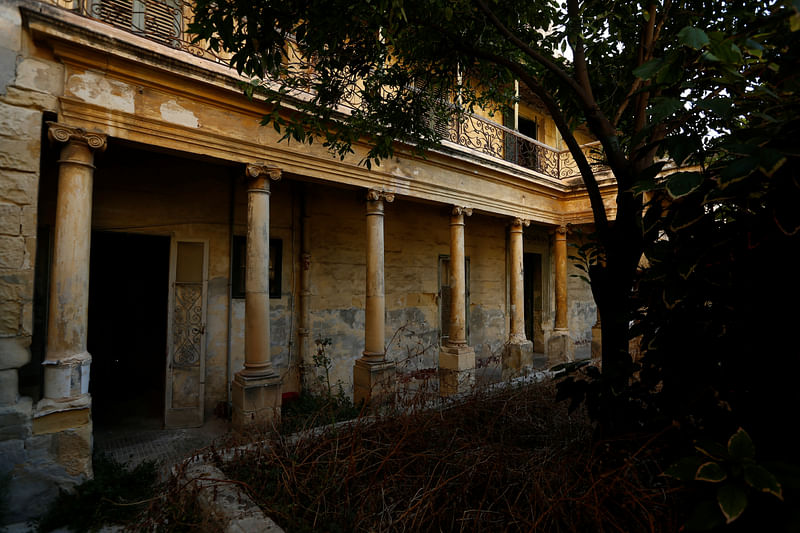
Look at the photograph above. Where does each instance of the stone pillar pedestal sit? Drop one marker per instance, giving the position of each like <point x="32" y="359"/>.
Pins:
<point x="256" y="389"/>
<point x="456" y="358"/>
<point x="373" y="375"/>
<point x="517" y="358"/>
<point x="559" y="347"/>
<point x="456" y="369"/>
<point x="518" y="353"/>
<point x="373" y="381"/>
<point x="256" y="402"/>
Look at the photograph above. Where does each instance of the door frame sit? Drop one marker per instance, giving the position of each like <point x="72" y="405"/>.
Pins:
<point x="177" y="417"/>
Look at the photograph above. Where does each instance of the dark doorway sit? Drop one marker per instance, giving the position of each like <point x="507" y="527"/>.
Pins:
<point x="128" y="298"/>
<point x="532" y="265"/>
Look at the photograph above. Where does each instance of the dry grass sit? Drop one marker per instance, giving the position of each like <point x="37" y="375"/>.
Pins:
<point x="512" y="460"/>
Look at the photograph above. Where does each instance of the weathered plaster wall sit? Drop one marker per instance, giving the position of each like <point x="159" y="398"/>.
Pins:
<point x="485" y="245"/>
<point x="416" y="234"/>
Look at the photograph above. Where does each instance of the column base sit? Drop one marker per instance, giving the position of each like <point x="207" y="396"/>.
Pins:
<point x="517" y="358"/>
<point x="256" y="402"/>
<point x="456" y="369"/>
<point x="559" y="347"/>
<point x="373" y="381"/>
<point x="65" y="428"/>
<point x="67" y="377"/>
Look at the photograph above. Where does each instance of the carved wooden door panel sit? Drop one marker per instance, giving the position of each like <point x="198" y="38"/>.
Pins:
<point x="186" y="334"/>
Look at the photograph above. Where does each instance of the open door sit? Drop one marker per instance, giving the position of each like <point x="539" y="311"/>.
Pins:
<point x="186" y="335"/>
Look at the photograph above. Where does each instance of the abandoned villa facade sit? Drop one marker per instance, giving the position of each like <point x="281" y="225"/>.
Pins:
<point x="161" y="252"/>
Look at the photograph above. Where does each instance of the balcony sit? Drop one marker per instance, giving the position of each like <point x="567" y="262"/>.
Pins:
<point x="164" y="22"/>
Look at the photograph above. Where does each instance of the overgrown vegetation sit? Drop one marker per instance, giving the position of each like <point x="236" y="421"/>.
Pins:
<point x="512" y="460"/>
<point x="115" y="495"/>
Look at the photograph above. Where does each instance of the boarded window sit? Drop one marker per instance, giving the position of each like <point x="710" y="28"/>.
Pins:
<point x="239" y="266"/>
<point x="159" y="20"/>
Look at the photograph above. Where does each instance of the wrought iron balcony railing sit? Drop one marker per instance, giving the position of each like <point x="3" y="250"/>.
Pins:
<point x="165" y="21"/>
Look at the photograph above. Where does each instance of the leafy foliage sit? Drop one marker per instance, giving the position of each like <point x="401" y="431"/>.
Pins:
<point x="730" y="476"/>
<point x="711" y="87"/>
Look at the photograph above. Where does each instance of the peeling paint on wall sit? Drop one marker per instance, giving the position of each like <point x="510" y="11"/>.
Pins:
<point x="173" y="112"/>
<point x="96" y="89"/>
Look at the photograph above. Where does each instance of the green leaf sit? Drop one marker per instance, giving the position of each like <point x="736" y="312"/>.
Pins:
<point x="732" y="500"/>
<point x="649" y="69"/>
<point x="722" y="107"/>
<point x="740" y="446"/>
<point x="664" y="107"/>
<point x="711" y="449"/>
<point x="770" y="160"/>
<point x="680" y="184"/>
<point x="686" y="216"/>
<point x="727" y="52"/>
<point x="693" y="37"/>
<point x="684" y="469"/>
<point x="711" y="472"/>
<point x="738" y="170"/>
<point x="762" y="480"/>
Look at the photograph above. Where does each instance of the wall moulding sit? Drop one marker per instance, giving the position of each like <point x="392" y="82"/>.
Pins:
<point x="148" y="131"/>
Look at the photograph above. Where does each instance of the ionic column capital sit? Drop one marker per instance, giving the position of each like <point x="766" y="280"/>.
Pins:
<point x="561" y="232"/>
<point x="64" y="134"/>
<point x="518" y="223"/>
<point x="260" y="175"/>
<point x="459" y="210"/>
<point x="374" y="195"/>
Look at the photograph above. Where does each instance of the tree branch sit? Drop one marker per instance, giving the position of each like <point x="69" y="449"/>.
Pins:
<point x="529" y="51"/>
<point x="579" y="54"/>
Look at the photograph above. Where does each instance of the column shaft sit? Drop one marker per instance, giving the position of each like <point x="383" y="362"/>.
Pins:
<point x="456" y="357"/>
<point x="257" y="360"/>
<point x="561" y="277"/>
<point x="375" y="319"/>
<point x="517" y="282"/>
<point x="256" y="389"/>
<point x="458" y="286"/>
<point x="66" y="360"/>
<point x="373" y="374"/>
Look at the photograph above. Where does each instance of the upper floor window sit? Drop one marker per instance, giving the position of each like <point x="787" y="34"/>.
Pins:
<point x="160" y="20"/>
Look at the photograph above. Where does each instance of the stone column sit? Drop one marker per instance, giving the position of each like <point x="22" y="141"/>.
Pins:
<point x="304" y="329"/>
<point x="63" y="416"/>
<point x="559" y="346"/>
<point x="373" y="375"/>
<point x="518" y="356"/>
<point x="257" y="387"/>
<point x="66" y="365"/>
<point x="456" y="358"/>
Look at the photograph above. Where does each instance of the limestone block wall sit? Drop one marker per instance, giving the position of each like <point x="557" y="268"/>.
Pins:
<point x="34" y="458"/>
